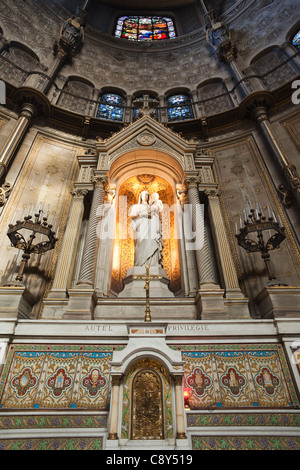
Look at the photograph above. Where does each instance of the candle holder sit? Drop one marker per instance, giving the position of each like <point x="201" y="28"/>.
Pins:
<point x="257" y="223"/>
<point x="35" y="224"/>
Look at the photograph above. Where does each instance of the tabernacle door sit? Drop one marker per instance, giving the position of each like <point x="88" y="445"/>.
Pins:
<point x="147" y="406"/>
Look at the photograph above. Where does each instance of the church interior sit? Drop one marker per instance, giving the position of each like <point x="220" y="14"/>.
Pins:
<point x="149" y="225"/>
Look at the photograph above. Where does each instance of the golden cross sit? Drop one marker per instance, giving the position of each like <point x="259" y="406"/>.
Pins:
<point x="147" y="278"/>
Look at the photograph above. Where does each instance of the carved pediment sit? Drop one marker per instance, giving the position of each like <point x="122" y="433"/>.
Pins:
<point x="146" y="133"/>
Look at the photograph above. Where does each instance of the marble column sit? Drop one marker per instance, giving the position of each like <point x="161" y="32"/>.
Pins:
<point x="220" y="39"/>
<point x="114" y="407"/>
<point x="88" y="263"/>
<point x="210" y="297"/>
<point x="237" y="74"/>
<point x="28" y="112"/>
<point x="57" y="63"/>
<point x="205" y="266"/>
<point x="66" y="259"/>
<point x="180" y="432"/>
<point x="288" y="169"/>
<point x="237" y="305"/>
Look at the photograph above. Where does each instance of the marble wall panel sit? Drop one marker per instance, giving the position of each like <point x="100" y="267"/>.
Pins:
<point x="46" y="177"/>
<point x="243" y="177"/>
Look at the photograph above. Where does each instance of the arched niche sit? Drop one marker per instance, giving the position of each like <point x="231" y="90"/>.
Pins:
<point x="146" y="161"/>
<point x="131" y="174"/>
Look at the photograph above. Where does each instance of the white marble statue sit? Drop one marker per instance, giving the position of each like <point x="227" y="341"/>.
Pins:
<point x="145" y="220"/>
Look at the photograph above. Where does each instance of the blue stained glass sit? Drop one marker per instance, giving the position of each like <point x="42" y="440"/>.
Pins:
<point x="111" y="107"/>
<point x="181" y="108"/>
<point x="296" y="41"/>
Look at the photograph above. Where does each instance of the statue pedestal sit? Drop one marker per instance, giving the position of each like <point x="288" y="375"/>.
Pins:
<point x="15" y="302"/>
<point x="134" y="288"/>
<point x="279" y="301"/>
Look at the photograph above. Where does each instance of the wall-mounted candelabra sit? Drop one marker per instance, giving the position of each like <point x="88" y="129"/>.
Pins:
<point x="269" y="232"/>
<point x="33" y="234"/>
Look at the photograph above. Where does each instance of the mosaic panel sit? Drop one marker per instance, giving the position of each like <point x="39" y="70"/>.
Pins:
<point x="237" y="376"/>
<point x="42" y="376"/>
<point x="67" y="443"/>
<point x="245" y="443"/>
<point x="45" y="421"/>
<point x="127" y="397"/>
<point x="243" y="419"/>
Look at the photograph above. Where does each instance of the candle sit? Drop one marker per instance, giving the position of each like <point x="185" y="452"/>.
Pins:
<point x="29" y="209"/>
<point x="21" y="214"/>
<point x="51" y="223"/>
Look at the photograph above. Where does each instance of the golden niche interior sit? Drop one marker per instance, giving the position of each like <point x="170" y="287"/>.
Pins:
<point x="123" y="247"/>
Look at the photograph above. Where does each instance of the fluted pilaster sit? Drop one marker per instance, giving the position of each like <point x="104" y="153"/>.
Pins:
<point x="87" y="269"/>
<point x="67" y="254"/>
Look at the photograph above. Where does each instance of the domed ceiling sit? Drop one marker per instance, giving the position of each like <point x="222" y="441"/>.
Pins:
<point x="102" y="14"/>
<point x="220" y="6"/>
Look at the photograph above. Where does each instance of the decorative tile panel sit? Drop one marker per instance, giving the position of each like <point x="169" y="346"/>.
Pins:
<point x="195" y="420"/>
<point x="53" y="421"/>
<point x="66" y="443"/>
<point x="237" y="376"/>
<point x="57" y="376"/>
<point x="245" y="443"/>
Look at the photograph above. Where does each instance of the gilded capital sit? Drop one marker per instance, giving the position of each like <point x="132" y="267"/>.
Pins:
<point x="192" y="181"/>
<point x="99" y="180"/>
<point x="212" y="192"/>
<point x="178" y="379"/>
<point x="116" y="380"/>
<point x="79" y="192"/>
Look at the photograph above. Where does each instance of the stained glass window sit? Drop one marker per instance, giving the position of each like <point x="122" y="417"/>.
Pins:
<point x="111" y="107"/>
<point x="145" y="28"/>
<point x="296" y="41"/>
<point x="179" y="108"/>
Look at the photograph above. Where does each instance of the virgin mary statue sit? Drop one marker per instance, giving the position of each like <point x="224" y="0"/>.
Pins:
<point x="145" y="222"/>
